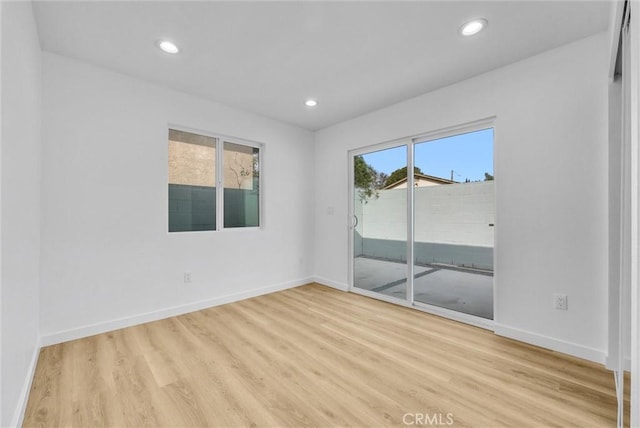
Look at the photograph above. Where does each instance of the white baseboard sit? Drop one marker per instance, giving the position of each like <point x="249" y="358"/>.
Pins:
<point x="21" y="407"/>
<point x="580" y="351"/>
<point x="103" y="327"/>
<point x="329" y="283"/>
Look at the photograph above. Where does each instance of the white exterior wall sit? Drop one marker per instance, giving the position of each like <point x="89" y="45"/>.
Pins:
<point x="447" y="214"/>
<point x="107" y="258"/>
<point x="385" y="217"/>
<point x="551" y="191"/>
<point x="20" y="170"/>
<point x="455" y="214"/>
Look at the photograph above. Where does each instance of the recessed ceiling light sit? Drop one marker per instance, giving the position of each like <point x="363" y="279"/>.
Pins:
<point x="168" y="47"/>
<point x="473" y="27"/>
<point x="311" y="103"/>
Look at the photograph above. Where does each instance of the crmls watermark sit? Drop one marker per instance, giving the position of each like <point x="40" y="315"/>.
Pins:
<point x="432" y="419"/>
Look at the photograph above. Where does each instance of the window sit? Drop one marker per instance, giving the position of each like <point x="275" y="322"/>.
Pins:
<point x="241" y="185"/>
<point x="194" y="174"/>
<point x="192" y="178"/>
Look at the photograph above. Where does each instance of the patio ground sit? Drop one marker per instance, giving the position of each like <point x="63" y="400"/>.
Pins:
<point x="461" y="290"/>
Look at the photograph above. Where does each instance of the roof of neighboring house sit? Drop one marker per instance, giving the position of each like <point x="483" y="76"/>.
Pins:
<point x="417" y="176"/>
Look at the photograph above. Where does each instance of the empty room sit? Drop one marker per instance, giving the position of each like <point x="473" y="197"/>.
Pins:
<point x="319" y="213"/>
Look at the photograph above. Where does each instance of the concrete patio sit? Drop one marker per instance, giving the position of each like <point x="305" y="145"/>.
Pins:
<point x="462" y="290"/>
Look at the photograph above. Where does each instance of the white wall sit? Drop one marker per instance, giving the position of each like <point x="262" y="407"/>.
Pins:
<point x="457" y="214"/>
<point x="20" y="201"/>
<point x="551" y="188"/>
<point x="107" y="259"/>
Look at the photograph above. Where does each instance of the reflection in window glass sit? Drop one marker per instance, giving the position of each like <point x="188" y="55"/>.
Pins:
<point x="192" y="191"/>
<point x="241" y="165"/>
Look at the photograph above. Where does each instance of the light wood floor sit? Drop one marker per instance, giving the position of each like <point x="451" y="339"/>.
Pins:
<point x="313" y="356"/>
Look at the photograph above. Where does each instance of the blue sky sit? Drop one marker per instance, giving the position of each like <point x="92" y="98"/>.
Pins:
<point x="468" y="155"/>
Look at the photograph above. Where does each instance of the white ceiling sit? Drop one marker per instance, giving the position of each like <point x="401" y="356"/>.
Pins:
<point x="267" y="57"/>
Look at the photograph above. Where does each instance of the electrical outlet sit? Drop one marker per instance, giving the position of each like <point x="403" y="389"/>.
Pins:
<point x="560" y="301"/>
<point x="187" y="277"/>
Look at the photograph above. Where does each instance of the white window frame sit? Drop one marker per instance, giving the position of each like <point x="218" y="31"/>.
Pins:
<point x="219" y="179"/>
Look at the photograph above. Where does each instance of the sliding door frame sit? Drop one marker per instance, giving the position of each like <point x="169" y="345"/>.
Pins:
<point x="406" y="142"/>
<point x="410" y="143"/>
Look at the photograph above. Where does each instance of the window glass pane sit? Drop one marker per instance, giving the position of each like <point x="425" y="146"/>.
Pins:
<point x="241" y="185"/>
<point x="192" y="191"/>
<point x="454" y="205"/>
<point x="380" y="232"/>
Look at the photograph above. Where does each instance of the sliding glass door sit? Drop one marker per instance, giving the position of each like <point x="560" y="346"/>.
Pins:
<point x="380" y="223"/>
<point x="454" y="206"/>
<point x="426" y="239"/>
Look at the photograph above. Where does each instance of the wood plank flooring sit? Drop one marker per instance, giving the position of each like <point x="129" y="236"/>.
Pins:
<point x="313" y="356"/>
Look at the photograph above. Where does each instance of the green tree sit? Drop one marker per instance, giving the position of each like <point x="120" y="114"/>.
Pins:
<point x="488" y="177"/>
<point x="365" y="178"/>
<point x="399" y="174"/>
